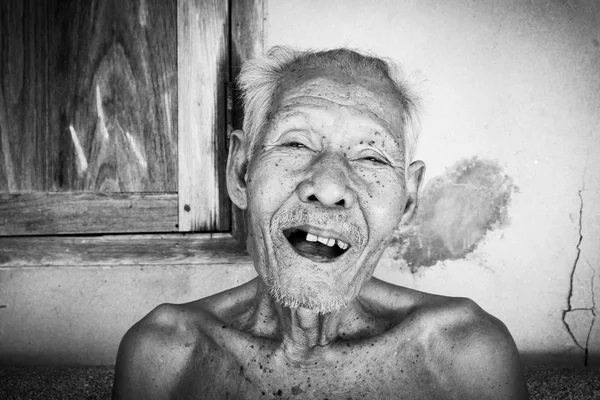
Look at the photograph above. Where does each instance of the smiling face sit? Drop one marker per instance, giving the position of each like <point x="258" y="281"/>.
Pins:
<point x="325" y="188"/>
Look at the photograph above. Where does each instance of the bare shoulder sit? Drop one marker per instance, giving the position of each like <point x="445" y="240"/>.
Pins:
<point x="476" y="351"/>
<point x="156" y="352"/>
<point x="472" y="353"/>
<point x="227" y="305"/>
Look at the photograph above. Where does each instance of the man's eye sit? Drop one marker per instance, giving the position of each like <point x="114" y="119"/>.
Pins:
<point x="294" y="144"/>
<point x="374" y="160"/>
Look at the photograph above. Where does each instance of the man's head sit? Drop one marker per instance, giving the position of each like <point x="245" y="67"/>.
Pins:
<point x="323" y="168"/>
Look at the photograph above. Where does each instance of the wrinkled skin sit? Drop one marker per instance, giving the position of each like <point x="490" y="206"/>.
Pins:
<point x="333" y="152"/>
<point x="331" y="163"/>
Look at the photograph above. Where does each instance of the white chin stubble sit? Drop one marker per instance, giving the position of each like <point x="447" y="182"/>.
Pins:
<point x="321" y="304"/>
<point x="297" y="285"/>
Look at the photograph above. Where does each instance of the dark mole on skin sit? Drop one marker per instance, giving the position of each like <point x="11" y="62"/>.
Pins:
<point x="456" y="211"/>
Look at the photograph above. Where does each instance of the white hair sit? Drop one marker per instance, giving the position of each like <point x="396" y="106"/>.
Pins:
<point x="260" y="78"/>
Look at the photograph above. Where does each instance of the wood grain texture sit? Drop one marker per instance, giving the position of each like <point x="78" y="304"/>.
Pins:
<point x="202" y="48"/>
<point x="88" y="100"/>
<point x="72" y="213"/>
<point x="24" y="104"/>
<point x="121" y="250"/>
<point x="247" y="42"/>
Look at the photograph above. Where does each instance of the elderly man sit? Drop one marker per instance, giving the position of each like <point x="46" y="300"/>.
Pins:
<point x="323" y="168"/>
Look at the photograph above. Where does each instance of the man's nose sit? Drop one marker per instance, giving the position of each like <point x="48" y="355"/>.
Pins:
<point x="328" y="184"/>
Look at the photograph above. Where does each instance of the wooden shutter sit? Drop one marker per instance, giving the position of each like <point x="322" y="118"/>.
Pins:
<point x="113" y="115"/>
<point x="203" y="36"/>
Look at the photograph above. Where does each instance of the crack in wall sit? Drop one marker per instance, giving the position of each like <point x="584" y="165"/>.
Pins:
<point x="593" y="310"/>
<point x="570" y="309"/>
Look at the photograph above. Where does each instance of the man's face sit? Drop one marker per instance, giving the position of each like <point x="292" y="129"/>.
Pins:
<point x="326" y="188"/>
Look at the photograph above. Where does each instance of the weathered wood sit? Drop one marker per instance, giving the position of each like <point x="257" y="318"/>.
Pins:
<point x="202" y="48"/>
<point x="24" y="143"/>
<point x="71" y="213"/>
<point x="121" y="250"/>
<point x="247" y="42"/>
<point x="89" y="95"/>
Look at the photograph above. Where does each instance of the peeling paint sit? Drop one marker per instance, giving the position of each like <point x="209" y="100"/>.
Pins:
<point x="82" y="164"/>
<point x="100" y="111"/>
<point x="136" y="152"/>
<point x="143" y="13"/>
<point x="456" y="211"/>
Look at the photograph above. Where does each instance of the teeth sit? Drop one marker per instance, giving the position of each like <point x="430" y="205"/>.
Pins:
<point x="327" y="241"/>
<point x="342" y="245"/>
<point x="310" y="237"/>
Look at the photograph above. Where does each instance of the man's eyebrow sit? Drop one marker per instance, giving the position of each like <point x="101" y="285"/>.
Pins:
<point x="383" y="134"/>
<point x="388" y="144"/>
<point x="389" y="136"/>
<point x="290" y="112"/>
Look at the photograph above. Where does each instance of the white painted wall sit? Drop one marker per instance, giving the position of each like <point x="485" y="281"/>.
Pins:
<point x="517" y="82"/>
<point x="70" y="315"/>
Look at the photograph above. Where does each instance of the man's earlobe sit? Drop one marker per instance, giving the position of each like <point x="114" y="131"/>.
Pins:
<point x="237" y="165"/>
<point x="415" y="176"/>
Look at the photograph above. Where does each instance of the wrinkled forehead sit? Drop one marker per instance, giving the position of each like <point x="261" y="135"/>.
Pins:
<point x="365" y="96"/>
<point x="366" y="93"/>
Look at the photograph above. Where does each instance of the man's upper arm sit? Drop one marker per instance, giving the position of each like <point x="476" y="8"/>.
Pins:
<point x="149" y="360"/>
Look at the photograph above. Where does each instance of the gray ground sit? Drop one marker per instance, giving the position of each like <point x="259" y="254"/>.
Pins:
<point x="95" y="383"/>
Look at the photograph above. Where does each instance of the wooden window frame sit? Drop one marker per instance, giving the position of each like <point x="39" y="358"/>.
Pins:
<point x="44" y="228"/>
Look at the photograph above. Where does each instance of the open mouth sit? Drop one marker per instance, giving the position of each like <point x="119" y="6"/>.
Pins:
<point x="315" y="247"/>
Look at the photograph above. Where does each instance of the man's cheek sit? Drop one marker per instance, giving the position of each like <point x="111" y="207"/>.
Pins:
<point x="268" y="191"/>
<point x="388" y="209"/>
<point x="384" y="220"/>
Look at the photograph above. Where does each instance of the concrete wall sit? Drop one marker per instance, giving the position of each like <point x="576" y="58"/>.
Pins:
<point x="510" y="214"/>
<point x="511" y="137"/>
<point x="77" y="316"/>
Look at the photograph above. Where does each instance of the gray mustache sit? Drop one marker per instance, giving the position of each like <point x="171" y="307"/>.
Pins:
<point x="336" y="219"/>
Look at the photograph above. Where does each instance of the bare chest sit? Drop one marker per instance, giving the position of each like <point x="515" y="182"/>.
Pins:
<point x="346" y="371"/>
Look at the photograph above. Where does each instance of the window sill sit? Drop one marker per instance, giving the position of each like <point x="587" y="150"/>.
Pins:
<point x="121" y="250"/>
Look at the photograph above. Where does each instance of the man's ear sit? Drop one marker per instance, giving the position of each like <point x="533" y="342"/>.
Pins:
<point x="415" y="176"/>
<point x="237" y="165"/>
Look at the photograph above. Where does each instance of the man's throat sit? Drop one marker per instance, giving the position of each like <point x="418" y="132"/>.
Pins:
<point x="308" y="329"/>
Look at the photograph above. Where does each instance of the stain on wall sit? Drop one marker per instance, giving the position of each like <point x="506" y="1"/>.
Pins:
<point x="456" y="211"/>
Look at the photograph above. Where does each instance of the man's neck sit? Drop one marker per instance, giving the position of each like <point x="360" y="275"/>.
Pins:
<point x="301" y="330"/>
